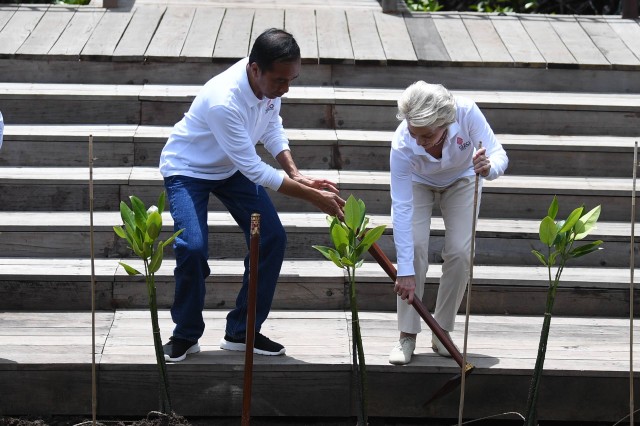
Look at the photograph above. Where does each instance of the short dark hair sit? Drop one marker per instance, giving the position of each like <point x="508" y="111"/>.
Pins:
<point x="274" y="45"/>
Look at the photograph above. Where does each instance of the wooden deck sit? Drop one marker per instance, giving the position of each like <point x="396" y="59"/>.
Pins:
<point x="331" y="34"/>
<point x="127" y="74"/>
<point x="586" y="367"/>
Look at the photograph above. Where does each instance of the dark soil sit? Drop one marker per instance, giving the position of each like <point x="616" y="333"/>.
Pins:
<point x="158" y="419"/>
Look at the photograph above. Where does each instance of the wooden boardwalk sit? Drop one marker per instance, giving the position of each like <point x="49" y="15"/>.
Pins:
<point x="586" y="367"/>
<point x="353" y="32"/>
<point x="126" y="74"/>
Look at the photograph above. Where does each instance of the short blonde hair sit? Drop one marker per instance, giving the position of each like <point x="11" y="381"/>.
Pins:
<point x="427" y="105"/>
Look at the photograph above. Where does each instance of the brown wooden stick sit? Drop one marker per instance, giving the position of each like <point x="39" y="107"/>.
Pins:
<point x="422" y="310"/>
<point x="254" y="252"/>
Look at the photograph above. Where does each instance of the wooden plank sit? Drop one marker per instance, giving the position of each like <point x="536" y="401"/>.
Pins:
<point x="106" y="35"/>
<point x="302" y="25"/>
<point x="169" y="38"/>
<point x="139" y="32"/>
<point x="334" y="43"/>
<point x="520" y="46"/>
<point x="202" y="35"/>
<point x="395" y="38"/>
<point x="547" y="40"/>
<point x="19" y="28"/>
<point x="456" y="38"/>
<point x="46" y="32"/>
<point x="426" y="40"/>
<point x="578" y="42"/>
<point x="486" y="39"/>
<point x="235" y="33"/>
<point x="265" y="19"/>
<point x="608" y="41"/>
<point x="365" y="39"/>
<point x="66" y="151"/>
<point x="6" y="13"/>
<point x="77" y="33"/>
<point x="628" y="30"/>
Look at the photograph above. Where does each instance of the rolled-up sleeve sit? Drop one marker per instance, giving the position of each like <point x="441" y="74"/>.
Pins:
<point x="232" y="136"/>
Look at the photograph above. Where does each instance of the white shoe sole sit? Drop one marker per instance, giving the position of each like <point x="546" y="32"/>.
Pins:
<point x="241" y="347"/>
<point x="442" y="352"/>
<point x="192" y="350"/>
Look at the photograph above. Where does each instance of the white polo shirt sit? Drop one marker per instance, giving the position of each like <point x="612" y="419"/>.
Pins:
<point x="409" y="162"/>
<point x="217" y="136"/>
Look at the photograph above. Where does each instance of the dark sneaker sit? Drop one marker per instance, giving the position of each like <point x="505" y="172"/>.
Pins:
<point x="178" y="349"/>
<point x="262" y="345"/>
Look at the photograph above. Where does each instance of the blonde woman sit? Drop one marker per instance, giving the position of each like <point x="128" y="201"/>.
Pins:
<point x="435" y="156"/>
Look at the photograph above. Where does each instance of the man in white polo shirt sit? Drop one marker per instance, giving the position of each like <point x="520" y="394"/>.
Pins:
<point x="212" y="151"/>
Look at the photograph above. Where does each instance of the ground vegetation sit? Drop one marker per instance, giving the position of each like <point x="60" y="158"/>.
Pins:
<point x="561" y="7"/>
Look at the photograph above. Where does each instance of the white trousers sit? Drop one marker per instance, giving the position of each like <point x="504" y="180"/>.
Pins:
<point x="456" y="205"/>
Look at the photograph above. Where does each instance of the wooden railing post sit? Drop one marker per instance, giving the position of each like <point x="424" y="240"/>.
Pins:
<point x="629" y="9"/>
<point x="389" y="6"/>
<point x="109" y="4"/>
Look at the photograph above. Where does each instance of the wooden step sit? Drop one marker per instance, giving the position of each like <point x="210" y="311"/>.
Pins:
<point x="125" y="145"/>
<point x="498" y="241"/>
<point x="55" y="284"/>
<point x="511" y="196"/>
<point x="48" y="354"/>
<point x="320" y="107"/>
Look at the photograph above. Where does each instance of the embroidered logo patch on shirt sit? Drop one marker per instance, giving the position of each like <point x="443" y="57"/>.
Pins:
<point x="269" y="107"/>
<point x="462" y="145"/>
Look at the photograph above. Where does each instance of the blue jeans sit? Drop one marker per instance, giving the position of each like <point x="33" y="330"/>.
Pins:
<point x="188" y="198"/>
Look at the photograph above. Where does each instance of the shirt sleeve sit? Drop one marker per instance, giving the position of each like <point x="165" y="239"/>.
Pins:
<point x="402" y="208"/>
<point x="274" y="139"/>
<point x="230" y="131"/>
<point x="480" y="131"/>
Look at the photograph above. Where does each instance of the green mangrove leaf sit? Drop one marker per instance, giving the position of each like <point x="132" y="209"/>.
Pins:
<point x="572" y="219"/>
<point x="330" y="254"/>
<point x="552" y="257"/>
<point x="127" y="215"/>
<point x="120" y="232"/>
<point x="161" y="201"/>
<point x="347" y="262"/>
<point x="371" y="237"/>
<point x="324" y="250"/>
<point x="339" y="238"/>
<point x="540" y="257"/>
<point x="140" y="212"/>
<point x="587" y="223"/>
<point x="359" y="264"/>
<point x="586" y="249"/>
<point x="134" y="240"/>
<point x="156" y="259"/>
<point x="363" y="228"/>
<point x="129" y="269"/>
<point x="363" y="212"/>
<point x="154" y="225"/>
<point x="553" y="208"/>
<point x="147" y="248"/>
<point x="331" y="220"/>
<point x="335" y="258"/>
<point x="548" y="231"/>
<point x="171" y="238"/>
<point x="352" y="213"/>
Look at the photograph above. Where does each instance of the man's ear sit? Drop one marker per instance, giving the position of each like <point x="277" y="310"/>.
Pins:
<point x="255" y="69"/>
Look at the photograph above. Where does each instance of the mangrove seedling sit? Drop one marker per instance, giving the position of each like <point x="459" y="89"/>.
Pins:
<point x="141" y="229"/>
